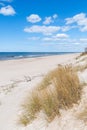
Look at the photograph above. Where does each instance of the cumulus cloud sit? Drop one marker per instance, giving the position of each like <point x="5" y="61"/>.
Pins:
<point x="7" y="10"/>
<point x="46" y="30"/>
<point x="77" y="18"/>
<point x="33" y="18"/>
<point x="80" y="20"/>
<point x="50" y="19"/>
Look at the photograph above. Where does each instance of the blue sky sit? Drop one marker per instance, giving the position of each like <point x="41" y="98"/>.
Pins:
<point x="55" y="25"/>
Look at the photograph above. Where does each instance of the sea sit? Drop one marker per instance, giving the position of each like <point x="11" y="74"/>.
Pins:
<point x="20" y="55"/>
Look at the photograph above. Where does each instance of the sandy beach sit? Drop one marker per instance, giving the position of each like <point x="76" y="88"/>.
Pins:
<point x="16" y="69"/>
<point x="17" y="78"/>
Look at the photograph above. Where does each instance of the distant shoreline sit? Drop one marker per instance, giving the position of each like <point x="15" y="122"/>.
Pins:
<point x="23" y="55"/>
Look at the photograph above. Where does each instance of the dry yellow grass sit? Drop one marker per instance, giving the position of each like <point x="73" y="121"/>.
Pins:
<point x="49" y="103"/>
<point x="67" y="86"/>
<point x="60" y="89"/>
<point x="31" y="106"/>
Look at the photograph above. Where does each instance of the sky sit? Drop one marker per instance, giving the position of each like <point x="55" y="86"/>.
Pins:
<point x="43" y="26"/>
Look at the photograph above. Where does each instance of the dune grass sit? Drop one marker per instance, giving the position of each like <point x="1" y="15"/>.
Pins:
<point x="60" y="89"/>
<point x="81" y="55"/>
<point x="81" y="67"/>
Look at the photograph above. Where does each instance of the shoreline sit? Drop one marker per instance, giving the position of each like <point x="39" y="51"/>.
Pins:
<point x="39" y="57"/>
<point x="27" y="57"/>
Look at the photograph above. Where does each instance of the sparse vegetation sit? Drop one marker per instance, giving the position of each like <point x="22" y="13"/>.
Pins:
<point x="60" y="89"/>
<point x="82" y="54"/>
<point x="83" y="115"/>
<point x="81" y="67"/>
<point x="83" y="58"/>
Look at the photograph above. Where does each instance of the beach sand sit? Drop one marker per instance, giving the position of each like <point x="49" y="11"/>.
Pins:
<point x="16" y="69"/>
<point x="17" y="79"/>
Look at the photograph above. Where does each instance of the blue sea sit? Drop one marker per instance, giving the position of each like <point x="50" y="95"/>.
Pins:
<point x="20" y="55"/>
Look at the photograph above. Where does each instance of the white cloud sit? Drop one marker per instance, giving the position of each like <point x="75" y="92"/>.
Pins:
<point x="57" y="37"/>
<point x="61" y="35"/>
<point x="77" y="43"/>
<point x="46" y="30"/>
<point x="33" y="18"/>
<point x="7" y="10"/>
<point x="77" y="18"/>
<point x="72" y="19"/>
<point x="83" y="29"/>
<point x="55" y="16"/>
<point x="67" y="28"/>
<point x="48" y="20"/>
<point x="80" y="20"/>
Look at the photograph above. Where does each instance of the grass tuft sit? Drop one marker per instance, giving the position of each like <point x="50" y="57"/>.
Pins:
<point x="60" y="89"/>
